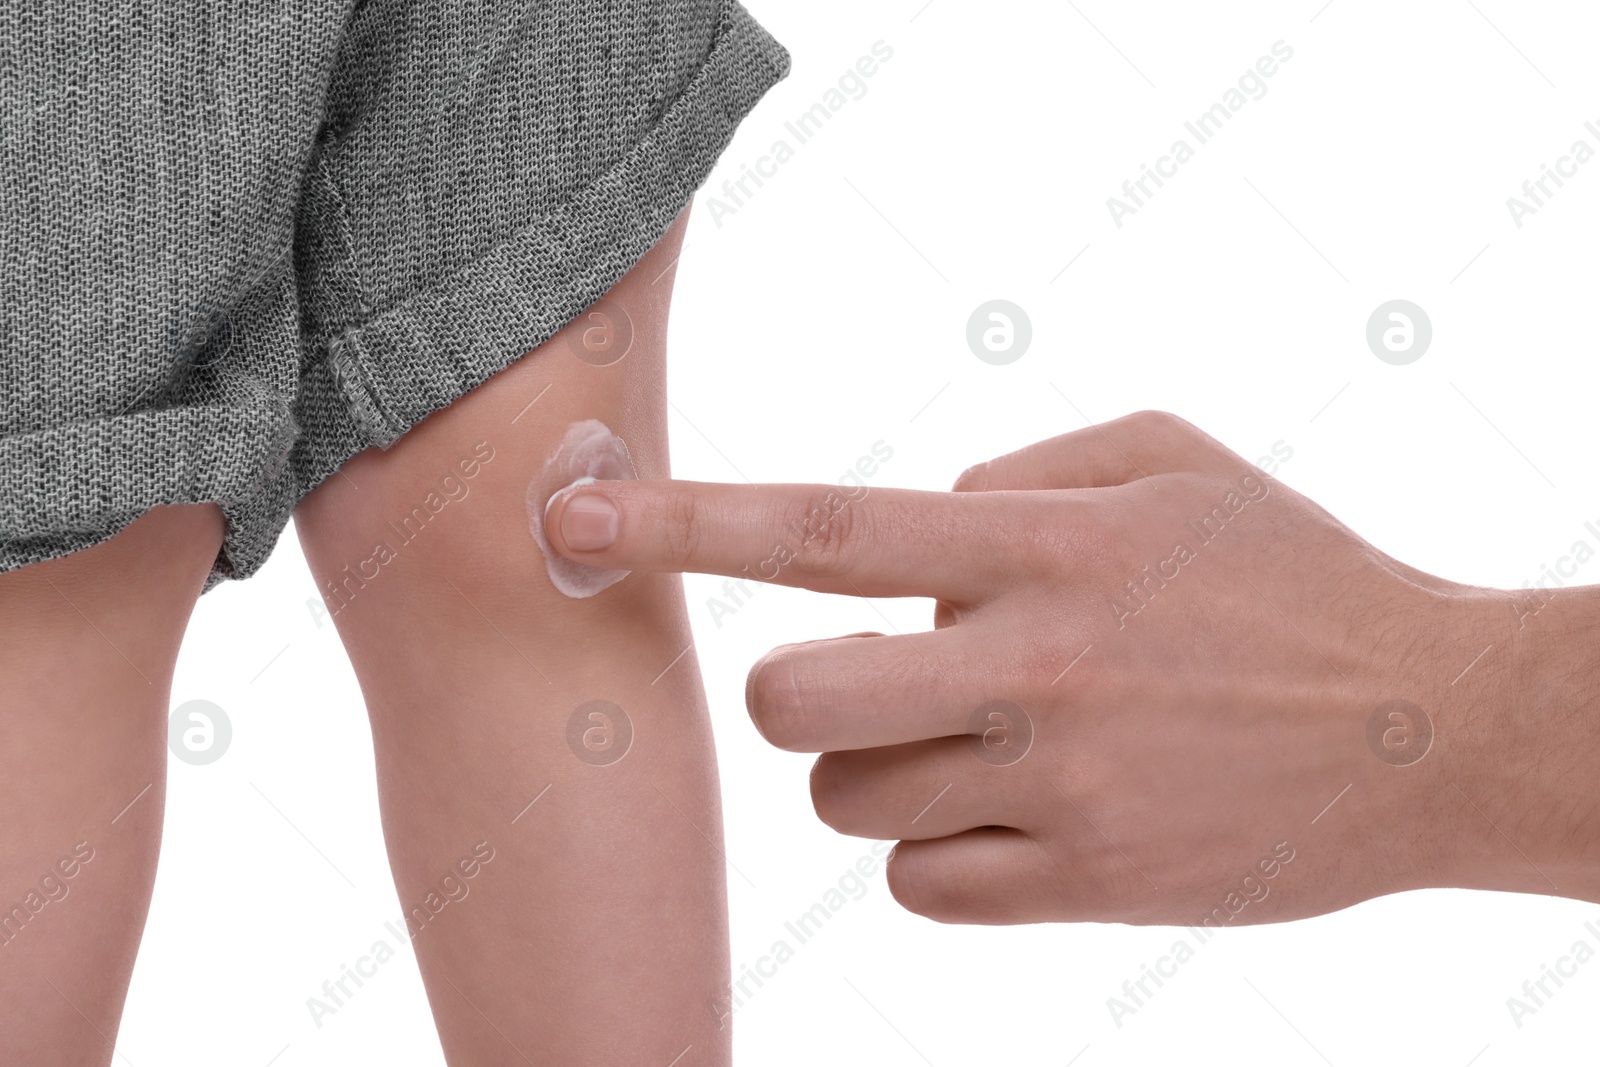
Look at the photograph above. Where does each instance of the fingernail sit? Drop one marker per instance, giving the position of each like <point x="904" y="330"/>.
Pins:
<point x="590" y="523"/>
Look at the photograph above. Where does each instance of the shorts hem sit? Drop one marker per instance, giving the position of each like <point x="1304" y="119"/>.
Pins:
<point x="71" y="481"/>
<point x="418" y="356"/>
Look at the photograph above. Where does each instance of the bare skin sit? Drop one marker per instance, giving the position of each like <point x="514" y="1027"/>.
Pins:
<point x="87" y="648"/>
<point x="598" y="930"/>
<point x="1197" y="665"/>
<point x="562" y="909"/>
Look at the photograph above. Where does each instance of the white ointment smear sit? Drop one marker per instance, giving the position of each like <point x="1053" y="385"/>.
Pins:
<point x="589" y="452"/>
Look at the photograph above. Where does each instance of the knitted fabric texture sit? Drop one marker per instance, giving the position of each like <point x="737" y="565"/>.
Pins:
<point x="240" y="243"/>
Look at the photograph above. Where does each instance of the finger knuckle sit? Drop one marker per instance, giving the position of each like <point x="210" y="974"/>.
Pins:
<point x="916" y="886"/>
<point x="827" y="534"/>
<point x="1069" y="538"/>
<point x="681" y="528"/>
<point x="1097" y="543"/>
<point x="1162" y="424"/>
<point x="782" y="702"/>
<point x="972" y="480"/>
<point x="1168" y="431"/>
<point x="832" y="797"/>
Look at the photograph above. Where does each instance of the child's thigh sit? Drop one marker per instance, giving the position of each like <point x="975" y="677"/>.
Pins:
<point x="88" y="643"/>
<point x="428" y="542"/>
<point x="483" y="681"/>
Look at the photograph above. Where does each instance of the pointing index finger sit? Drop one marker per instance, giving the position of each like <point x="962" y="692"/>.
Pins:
<point x="829" y="538"/>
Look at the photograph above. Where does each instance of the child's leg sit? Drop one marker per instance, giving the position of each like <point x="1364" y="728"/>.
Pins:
<point x="596" y="933"/>
<point x="87" y="646"/>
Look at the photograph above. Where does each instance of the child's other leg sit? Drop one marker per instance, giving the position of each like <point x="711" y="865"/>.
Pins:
<point x="87" y="647"/>
<point x="597" y="932"/>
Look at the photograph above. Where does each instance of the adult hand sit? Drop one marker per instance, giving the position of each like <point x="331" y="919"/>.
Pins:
<point x="1162" y="687"/>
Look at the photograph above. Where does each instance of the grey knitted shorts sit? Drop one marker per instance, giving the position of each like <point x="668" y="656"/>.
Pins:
<point x="241" y="242"/>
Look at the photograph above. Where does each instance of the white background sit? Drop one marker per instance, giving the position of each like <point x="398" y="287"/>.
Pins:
<point x="829" y="313"/>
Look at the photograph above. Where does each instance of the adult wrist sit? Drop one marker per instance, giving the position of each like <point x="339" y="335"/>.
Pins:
<point x="1522" y="783"/>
